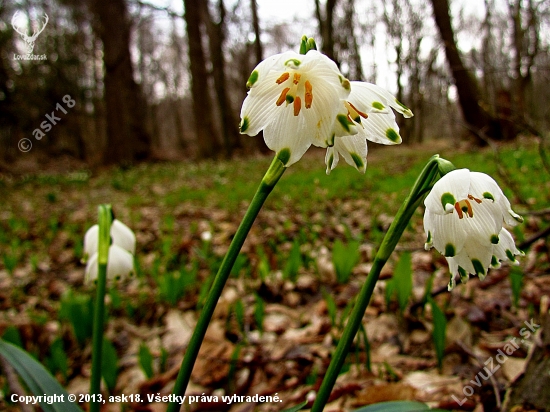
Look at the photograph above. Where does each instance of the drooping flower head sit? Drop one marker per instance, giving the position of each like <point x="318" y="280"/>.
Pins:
<point x="368" y="116"/>
<point x="464" y="217"/>
<point x="299" y="100"/>
<point x="121" y="252"/>
<point x="294" y="99"/>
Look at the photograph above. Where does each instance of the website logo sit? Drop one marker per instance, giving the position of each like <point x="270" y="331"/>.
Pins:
<point x="37" y="27"/>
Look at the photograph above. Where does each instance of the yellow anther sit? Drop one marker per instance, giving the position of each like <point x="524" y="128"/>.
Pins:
<point x="282" y="97"/>
<point x="297" y="105"/>
<point x="464" y="206"/>
<point x="296" y="78"/>
<point x="478" y="201"/>
<point x="283" y="78"/>
<point x="357" y="111"/>
<point x="309" y="94"/>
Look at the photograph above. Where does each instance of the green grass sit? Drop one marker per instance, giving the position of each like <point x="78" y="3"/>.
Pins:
<point x="170" y="205"/>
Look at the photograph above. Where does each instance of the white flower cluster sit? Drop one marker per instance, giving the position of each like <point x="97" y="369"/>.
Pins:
<point x="464" y="217"/>
<point x="302" y="100"/>
<point x="121" y="252"/>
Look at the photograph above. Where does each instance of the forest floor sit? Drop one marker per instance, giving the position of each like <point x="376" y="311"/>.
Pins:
<point x="284" y="306"/>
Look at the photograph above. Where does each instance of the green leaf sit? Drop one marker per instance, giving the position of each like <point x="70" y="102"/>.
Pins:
<point x="163" y="360"/>
<point x="296" y="408"/>
<point x="239" y="314"/>
<point x="516" y="283"/>
<point x="331" y="307"/>
<point x="12" y="335"/>
<point x="403" y="279"/>
<point x="293" y="263"/>
<point x="344" y="258"/>
<point x="109" y="364"/>
<point x="79" y="310"/>
<point x="438" y="334"/>
<point x="58" y="360"/>
<point x="37" y="378"/>
<point x="398" y="406"/>
<point x="145" y="360"/>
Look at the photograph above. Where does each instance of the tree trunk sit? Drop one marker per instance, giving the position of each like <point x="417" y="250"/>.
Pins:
<point x="127" y="138"/>
<point x="479" y="122"/>
<point x="526" y="43"/>
<point x="258" y="49"/>
<point x="207" y="141"/>
<point x="216" y="38"/>
<point x="529" y="391"/>
<point x="326" y="27"/>
<point x="259" y="54"/>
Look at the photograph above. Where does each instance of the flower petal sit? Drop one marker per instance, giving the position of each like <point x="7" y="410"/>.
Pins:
<point x="485" y="224"/>
<point x="290" y="132"/>
<point x="381" y="128"/>
<point x="475" y="258"/>
<point x="123" y="236"/>
<point x="119" y="265"/>
<point x="506" y="249"/>
<point x="91" y="242"/>
<point x="260" y="106"/>
<point x="447" y="233"/>
<point x="390" y="100"/>
<point x="447" y="191"/>
<point x="90" y="274"/>
<point x="354" y="150"/>
<point x="369" y="98"/>
<point x="331" y="159"/>
<point x="321" y="117"/>
<point x="483" y="186"/>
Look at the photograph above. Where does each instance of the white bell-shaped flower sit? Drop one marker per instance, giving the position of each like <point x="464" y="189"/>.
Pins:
<point x="464" y="217"/>
<point x="295" y="99"/>
<point x="119" y="265"/>
<point x="121" y="235"/>
<point x="121" y="251"/>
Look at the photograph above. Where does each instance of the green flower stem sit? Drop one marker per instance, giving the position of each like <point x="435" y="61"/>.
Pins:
<point x="105" y="217"/>
<point x="272" y="176"/>
<point x="400" y="222"/>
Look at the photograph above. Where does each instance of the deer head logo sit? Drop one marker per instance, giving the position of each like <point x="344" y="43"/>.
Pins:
<point x="29" y="40"/>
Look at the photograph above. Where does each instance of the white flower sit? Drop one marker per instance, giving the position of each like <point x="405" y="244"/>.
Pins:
<point x="295" y="99"/>
<point x="368" y="116"/>
<point x="464" y="216"/>
<point x="119" y="265"/>
<point x="121" y="251"/>
<point x="121" y="235"/>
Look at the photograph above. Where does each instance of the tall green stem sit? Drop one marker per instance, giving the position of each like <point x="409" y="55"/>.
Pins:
<point x="105" y="217"/>
<point x="400" y="222"/>
<point x="269" y="181"/>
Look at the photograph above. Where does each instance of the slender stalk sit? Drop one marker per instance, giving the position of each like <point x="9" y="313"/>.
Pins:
<point x="105" y="216"/>
<point x="400" y="222"/>
<point x="270" y="179"/>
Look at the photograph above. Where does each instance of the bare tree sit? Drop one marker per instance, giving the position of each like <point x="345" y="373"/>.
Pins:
<point x="326" y="27"/>
<point x="478" y="120"/>
<point x="207" y="142"/>
<point x="258" y="48"/>
<point x="526" y="44"/>
<point x="259" y="56"/>
<point x="128" y="139"/>
<point x="216" y="40"/>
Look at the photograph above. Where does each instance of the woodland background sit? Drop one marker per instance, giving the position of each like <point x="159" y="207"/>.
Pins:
<point x="154" y="132"/>
<point x="152" y="83"/>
